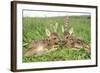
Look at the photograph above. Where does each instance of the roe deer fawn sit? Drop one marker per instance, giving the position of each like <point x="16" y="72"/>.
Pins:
<point x="72" y="42"/>
<point x="41" y="46"/>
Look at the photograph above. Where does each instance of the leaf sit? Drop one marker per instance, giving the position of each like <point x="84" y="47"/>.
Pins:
<point x="62" y="28"/>
<point x="55" y="27"/>
<point x="71" y="30"/>
<point x="25" y="44"/>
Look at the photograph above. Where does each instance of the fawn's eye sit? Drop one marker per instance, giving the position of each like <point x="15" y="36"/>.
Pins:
<point x="67" y="37"/>
<point x="54" y="38"/>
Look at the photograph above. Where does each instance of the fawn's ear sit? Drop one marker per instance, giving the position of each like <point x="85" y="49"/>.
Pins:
<point x="71" y="31"/>
<point x="47" y="32"/>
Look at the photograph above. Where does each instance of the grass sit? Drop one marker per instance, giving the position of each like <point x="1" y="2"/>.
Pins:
<point x="34" y="29"/>
<point x="59" y="55"/>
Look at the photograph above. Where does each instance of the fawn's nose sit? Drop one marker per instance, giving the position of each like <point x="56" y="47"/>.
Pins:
<point x="56" y="43"/>
<point x="61" y="42"/>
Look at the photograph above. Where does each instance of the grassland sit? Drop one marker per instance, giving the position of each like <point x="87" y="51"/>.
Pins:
<point x="34" y="29"/>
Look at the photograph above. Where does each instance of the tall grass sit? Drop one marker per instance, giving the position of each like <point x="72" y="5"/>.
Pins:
<point x="34" y="29"/>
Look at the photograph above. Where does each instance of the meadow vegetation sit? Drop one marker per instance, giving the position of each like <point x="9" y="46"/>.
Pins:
<point x="34" y="29"/>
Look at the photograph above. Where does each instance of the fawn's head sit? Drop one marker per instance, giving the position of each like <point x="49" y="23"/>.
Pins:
<point x="68" y="33"/>
<point x="52" y="38"/>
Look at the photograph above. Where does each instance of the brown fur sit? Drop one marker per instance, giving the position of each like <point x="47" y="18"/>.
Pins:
<point x="41" y="46"/>
<point x="72" y="42"/>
